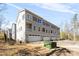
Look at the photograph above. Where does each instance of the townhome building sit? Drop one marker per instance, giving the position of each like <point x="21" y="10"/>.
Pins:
<point x="31" y="27"/>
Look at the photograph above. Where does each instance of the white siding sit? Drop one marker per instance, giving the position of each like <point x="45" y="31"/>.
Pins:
<point x="20" y="28"/>
<point x="13" y="31"/>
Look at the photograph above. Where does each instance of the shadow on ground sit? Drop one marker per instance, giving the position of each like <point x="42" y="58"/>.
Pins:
<point x="56" y="52"/>
<point x="60" y="52"/>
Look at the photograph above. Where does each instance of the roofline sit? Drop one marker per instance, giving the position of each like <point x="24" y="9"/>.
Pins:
<point x="37" y="16"/>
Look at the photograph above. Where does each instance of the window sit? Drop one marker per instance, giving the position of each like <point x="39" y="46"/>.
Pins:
<point x="39" y="20"/>
<point x="29" y="26"/>
<point x="43" y="29"/>
<point x="51" y="31"/>
<point x="46" y="31"/>
<point x="39" y="29"/>
<point x="52" y="26"/>
<point x="34" y="27"/>
<point x="34" y="19"/>
<point x="46" y="23"/>
<point x="28" y="17"/>
<point x="31" y="17"/>
<point x="43" y="23"/>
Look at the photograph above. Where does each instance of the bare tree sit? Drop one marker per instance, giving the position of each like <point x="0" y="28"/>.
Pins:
<point x="71" y="29"/>
<point x="66" y="29"/>
<point x="2" y="19"/>
<point x="2" y="9"/>
<point x="74" y="25"/>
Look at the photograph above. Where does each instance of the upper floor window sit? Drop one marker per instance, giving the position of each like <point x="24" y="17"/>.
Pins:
<point x="39" y="21"/>
<point x="29" y="26"/>
<point x="52" y="26"/>
<point x="28" y="16"/>
<point x="34" y="19"/>
<point x="46" y="23"/>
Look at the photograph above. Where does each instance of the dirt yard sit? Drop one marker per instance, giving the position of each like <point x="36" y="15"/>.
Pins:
<point x="33" y="49"/>
<point x="37" y="49"/>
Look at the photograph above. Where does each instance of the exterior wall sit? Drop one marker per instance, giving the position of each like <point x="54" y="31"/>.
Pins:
<point x="56" y="34"/>
<point x="30" y="28"/>
<point x="14" y="31"/>
<point x="48" y="36"/>
<point x="20" y="27"/>
<point x="9" y="33"/>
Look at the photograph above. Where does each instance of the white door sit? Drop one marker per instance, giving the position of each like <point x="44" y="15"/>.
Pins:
<point x="34" y="38"/>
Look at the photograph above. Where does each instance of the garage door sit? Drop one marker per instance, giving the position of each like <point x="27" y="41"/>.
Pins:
<point x="46" y="38"/>
<point x="54" y="38"/>
<point x="34" y="38"/>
